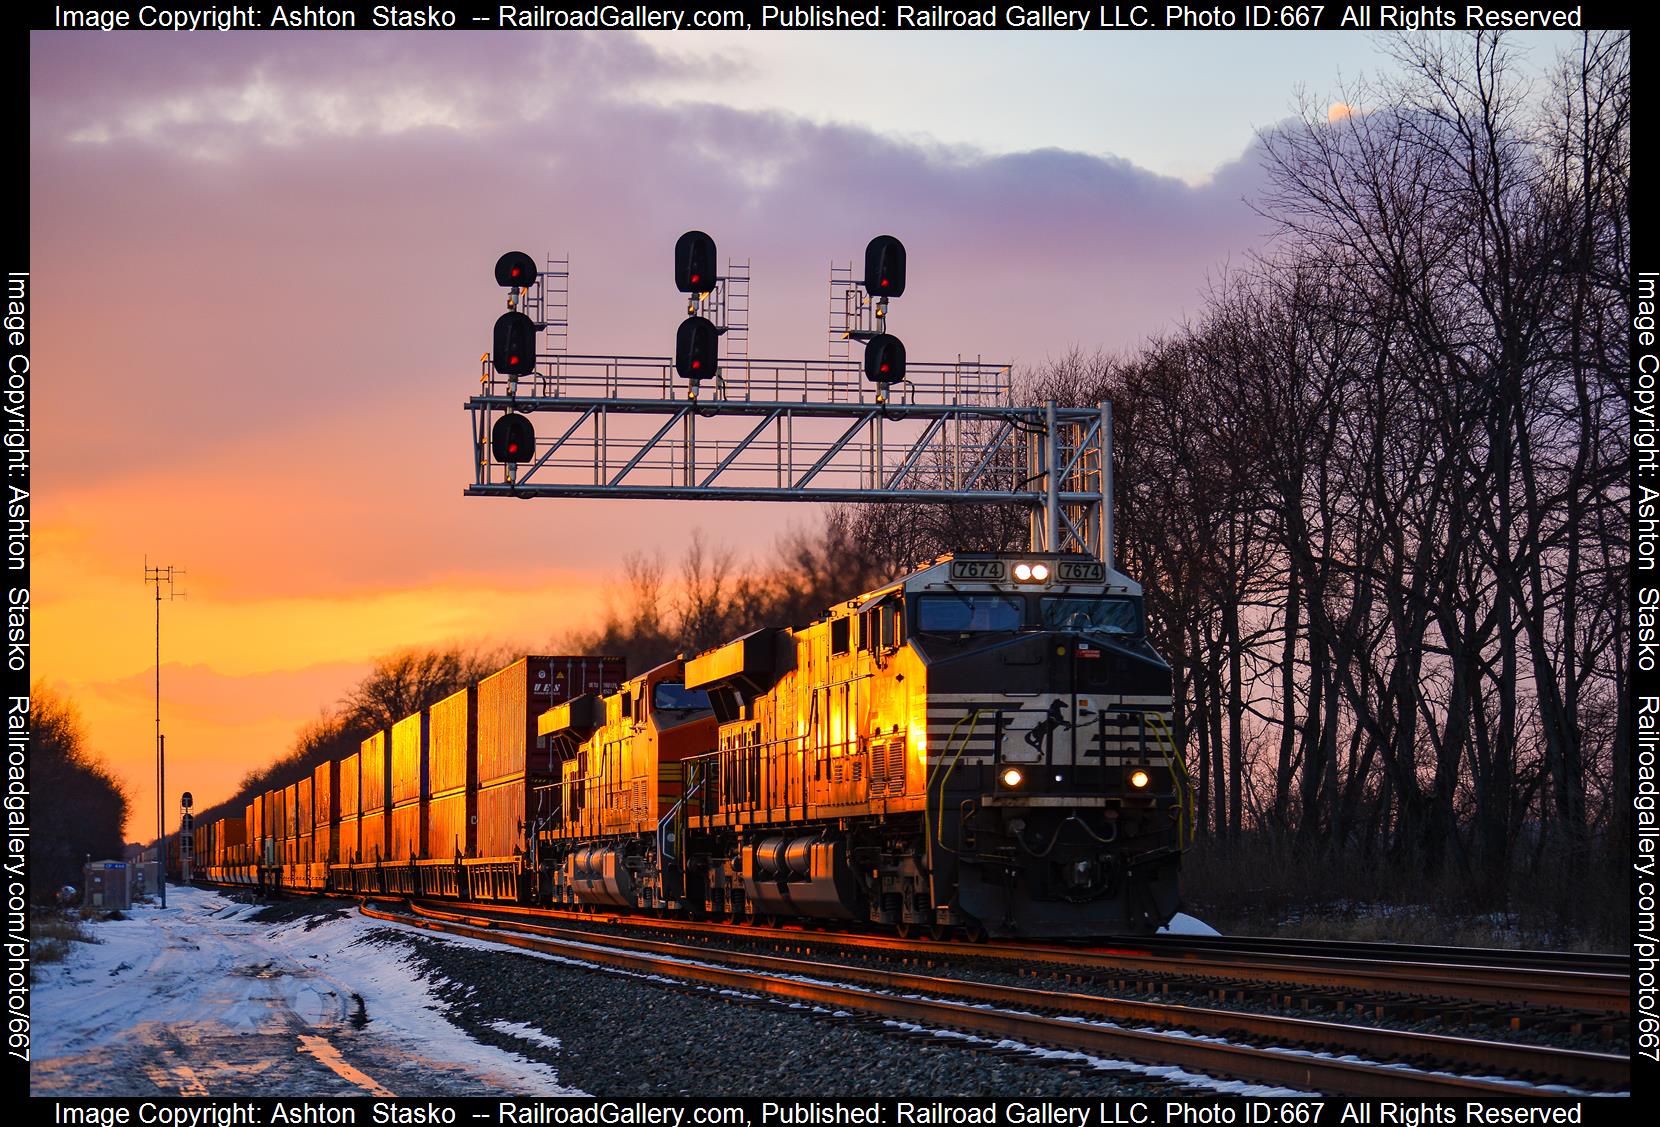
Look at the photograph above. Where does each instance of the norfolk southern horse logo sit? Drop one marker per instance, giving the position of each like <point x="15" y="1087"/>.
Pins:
<point x="1042" y="735"/>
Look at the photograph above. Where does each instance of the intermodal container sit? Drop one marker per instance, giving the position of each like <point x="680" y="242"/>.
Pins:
<point x="374" y="784"/>
<point x="510" y="701"/>
<point x="306" y="817"/>
<point x="230" y="841"/>
<point x="409" y="759"/>
<point x="374" y="795"/>
<point x="452" y="735"/>
<point x="350" y="844"/>
<point x="452" y="771"/>
<point x="407" y="830"/>
<point x="408" y="819"/>
<point x="325" y="813"/>
<point x="372" y="827"/>
<point x="509" y="814"/>
<point x="349" y="789"/>
<point x="290" y="819"/>
<point x="452" y="826"/>
<point x="276" y="826"/>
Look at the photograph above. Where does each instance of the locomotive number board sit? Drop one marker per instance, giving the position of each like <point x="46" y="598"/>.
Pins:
<point x="983" y="570"/>
<point x="1078" y="571"/>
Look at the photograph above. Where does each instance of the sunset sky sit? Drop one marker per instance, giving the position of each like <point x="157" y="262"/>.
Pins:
<point x="261" y="268"/>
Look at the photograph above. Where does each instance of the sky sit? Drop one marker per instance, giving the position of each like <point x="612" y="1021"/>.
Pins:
<point x="262" y="282"/>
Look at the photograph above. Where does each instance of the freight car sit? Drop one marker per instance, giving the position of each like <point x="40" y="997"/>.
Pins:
<point x="981" y="746"/>
<point x="446" y="802"/>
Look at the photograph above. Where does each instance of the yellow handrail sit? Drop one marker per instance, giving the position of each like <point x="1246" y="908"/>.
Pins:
<point x="1186" y="826"/>
<point x="928" y="779"/>
<point x="974" y="718"/>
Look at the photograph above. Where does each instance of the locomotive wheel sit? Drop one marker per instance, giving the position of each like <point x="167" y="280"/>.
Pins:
<point x="938" y="932"/>
<point x="906" y="929"/>
<point x="974" y="932"/>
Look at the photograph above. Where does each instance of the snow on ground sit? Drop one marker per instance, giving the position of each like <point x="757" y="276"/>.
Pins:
<point x="202" y="1000"/>
<point x="1183" y="924"/>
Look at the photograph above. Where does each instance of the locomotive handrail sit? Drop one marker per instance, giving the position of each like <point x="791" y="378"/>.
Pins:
<point x="1185" y="824"/>
<point x="928" y="780"/>
<point x="662" y="847"/>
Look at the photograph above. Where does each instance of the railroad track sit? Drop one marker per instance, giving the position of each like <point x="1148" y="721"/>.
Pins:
<point x="1464" y="990"/>
<point x="1076" y="1022"/>
<point x="1201" y="945"/>
<point x="1592" y="1000"/>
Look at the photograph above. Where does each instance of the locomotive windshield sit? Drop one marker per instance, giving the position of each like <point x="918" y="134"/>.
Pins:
<point x="673" y="696"/>
<point x="1092" y="615"/>
<point x="970" y="614"/>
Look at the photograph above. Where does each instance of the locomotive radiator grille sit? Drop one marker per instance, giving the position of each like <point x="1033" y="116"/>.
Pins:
<point x="887" y="766"/>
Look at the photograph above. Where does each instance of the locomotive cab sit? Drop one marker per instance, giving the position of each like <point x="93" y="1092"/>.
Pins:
<point x="1059" y="799"/>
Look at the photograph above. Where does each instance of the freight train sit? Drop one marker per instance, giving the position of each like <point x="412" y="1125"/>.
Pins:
<point x="982" y="747"/>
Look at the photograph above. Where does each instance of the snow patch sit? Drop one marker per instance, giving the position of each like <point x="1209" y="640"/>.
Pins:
<point x="201" y="964"/>
<point x="525" y="1032"/>
<point x="1183" y="924"/>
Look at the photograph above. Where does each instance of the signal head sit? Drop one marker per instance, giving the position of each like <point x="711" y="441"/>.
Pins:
<point x="694" y="263"/>
<point x="512" y="439"/>
<point x="885" y="359"/>
<point x="515" y="345"/>
<point x="696" y="349"/>
<point x="515" y="268"/>
<point x="885" y="267"/>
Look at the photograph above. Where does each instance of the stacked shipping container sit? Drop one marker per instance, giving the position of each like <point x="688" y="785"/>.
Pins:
<point x="304" y="817"/>
<point x="325" y="813"/>
<point x="254" y="826"/>
<point x="517" y="769"/>
<point x="452" y="757"/>
<point x="374" y="796"/>
<point x="350" y="841"/>
<point x="409" y="789"/>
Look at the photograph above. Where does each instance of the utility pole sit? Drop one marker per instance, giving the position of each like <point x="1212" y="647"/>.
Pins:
<point x="160" y="576"/>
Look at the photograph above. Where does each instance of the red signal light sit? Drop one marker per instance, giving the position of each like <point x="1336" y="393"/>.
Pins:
<point x="694" y="260"/>
<point x="695" y="348"/>
<point x="515" y="344"/>
<point x="515" y="268"/>
<point x="885" y="266"/>
<point x="512" y="440"/>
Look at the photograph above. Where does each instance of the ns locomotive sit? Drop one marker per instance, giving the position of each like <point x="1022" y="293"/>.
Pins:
<point x="981" y="746"/>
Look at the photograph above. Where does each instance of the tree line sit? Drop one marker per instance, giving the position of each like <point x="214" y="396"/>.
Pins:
<point x="1376" y="488"/>
<point x="77" y="805"/>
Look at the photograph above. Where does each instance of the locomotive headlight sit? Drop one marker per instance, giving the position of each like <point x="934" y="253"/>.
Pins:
<point x="1023" y="572"/>
<point x="1012" y="777"/>
<point x="1040" y="572"/>
<point x="1139" y="780"/>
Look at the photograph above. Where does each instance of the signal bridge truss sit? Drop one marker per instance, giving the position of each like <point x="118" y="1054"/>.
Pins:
<point x="797" y="430"/>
